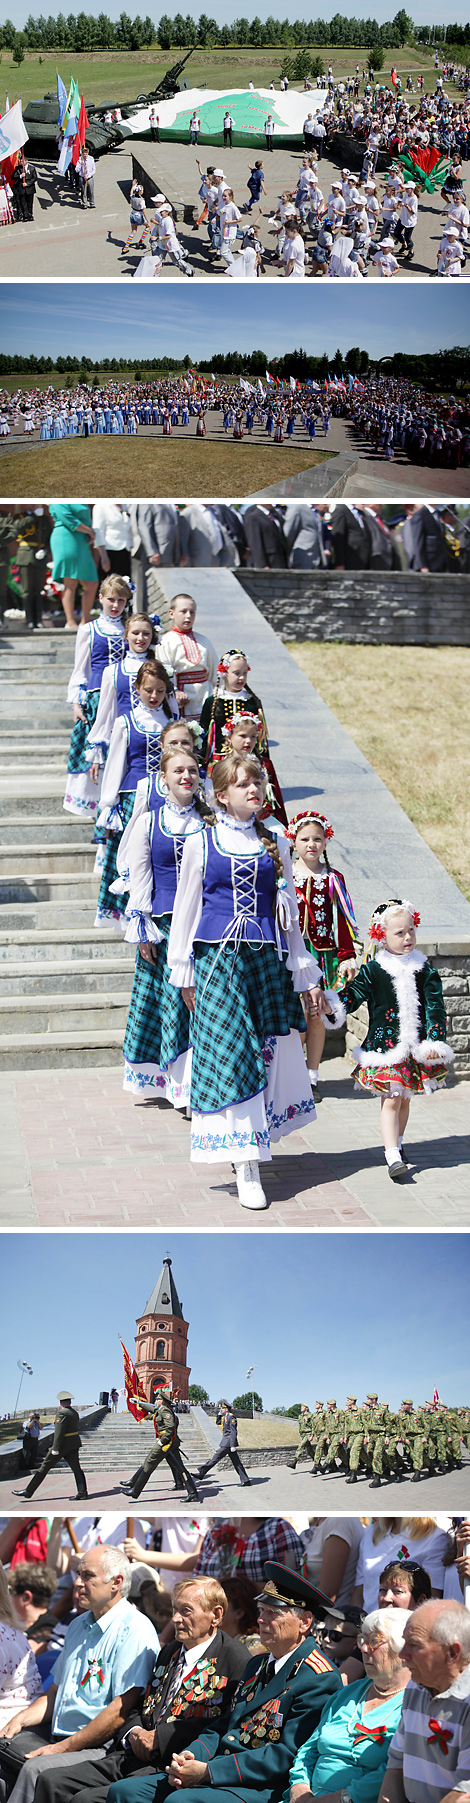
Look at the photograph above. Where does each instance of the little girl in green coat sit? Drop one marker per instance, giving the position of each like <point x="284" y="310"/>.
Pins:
<point x="404" y="1052"/>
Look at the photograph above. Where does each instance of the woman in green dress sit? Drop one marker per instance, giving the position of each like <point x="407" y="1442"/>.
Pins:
<point x="72" y="541"/>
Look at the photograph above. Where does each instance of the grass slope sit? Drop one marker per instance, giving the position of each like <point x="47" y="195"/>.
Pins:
<point x="135" y="467"/>
<point x="121" y="76"/>
<point x="406" y="707"/>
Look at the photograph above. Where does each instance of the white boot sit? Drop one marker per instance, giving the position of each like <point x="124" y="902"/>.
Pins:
<point x="250" y="1192"/>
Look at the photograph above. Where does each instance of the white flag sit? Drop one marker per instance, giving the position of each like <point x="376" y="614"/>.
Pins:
<point x="13" y="131"/>
<point x="292" y="383"/>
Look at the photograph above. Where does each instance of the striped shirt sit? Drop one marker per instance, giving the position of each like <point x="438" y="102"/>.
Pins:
<point x="431" y="1745"/>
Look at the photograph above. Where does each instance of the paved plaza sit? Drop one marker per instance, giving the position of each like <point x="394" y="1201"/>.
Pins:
<point x="275" y="1490"/>
<point x="65" y="241"/>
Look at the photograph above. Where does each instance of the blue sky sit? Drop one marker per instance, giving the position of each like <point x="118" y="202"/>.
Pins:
<point x="100" y="319"/>
<point x="317" y="1315"/>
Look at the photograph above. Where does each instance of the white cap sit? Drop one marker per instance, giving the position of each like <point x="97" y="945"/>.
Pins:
<point x="450" y="231"/>
<point x="335" y="185"/>
<point x="386" y="244"/>
<point x="218" y="172"/>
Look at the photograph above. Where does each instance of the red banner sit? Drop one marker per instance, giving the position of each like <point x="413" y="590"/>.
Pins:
<point x="133" y="1386"/>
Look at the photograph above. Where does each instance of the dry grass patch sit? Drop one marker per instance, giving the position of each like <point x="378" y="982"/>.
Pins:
<point x="406" y="707"/>
<point x="280" y="1432"/>
<point x="149" y="466"/>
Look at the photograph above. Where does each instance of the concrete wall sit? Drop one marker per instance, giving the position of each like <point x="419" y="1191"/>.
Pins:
<point x="452" y="959"/>
<point x="365" y="607"/>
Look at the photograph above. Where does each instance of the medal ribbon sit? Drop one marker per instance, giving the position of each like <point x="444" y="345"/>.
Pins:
<point x="99" y="1674"/>
<point x="442" y="1735"/>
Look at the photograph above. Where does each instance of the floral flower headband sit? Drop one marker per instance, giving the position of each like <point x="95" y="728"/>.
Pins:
<point x="300" y="820"/>
<point x="227" y="658"/>
<point x="377" y="931"/>
<point x="238" y="720"/>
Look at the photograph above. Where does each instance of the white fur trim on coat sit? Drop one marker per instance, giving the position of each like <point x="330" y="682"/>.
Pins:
<point x="338" y="1011"/>
<point x="403" y="968"/>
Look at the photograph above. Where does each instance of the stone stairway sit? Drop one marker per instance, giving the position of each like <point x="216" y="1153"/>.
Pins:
<point x="120" y="1443"/>
<point x="64" y="984"/>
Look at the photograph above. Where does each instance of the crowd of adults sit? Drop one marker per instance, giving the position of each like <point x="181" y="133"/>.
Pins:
<point x="390" y="416"/>
<point x="325" y="1656"/>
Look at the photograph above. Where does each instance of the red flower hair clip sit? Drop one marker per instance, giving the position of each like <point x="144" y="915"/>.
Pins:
<point x="226" y="659"/>
<point x="376" y="931"/>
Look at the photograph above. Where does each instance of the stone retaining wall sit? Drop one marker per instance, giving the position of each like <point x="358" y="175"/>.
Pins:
<point x="362" y="607"/>
<point x="10" y="1455"/>
<point x="452" y="960"/>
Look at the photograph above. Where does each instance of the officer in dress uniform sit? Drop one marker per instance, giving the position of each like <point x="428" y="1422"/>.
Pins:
<point x="167" y="1446"/>
<point x="66" y="1445"/>
<point x="227" y="1420"/>
<point x="277" y="1706"/>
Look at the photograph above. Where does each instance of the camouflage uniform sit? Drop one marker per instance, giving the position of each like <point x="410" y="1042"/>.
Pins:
<point x="336" y="1434"/>
<point x="355" y="1426"/>
<point x="307" y="1436"/>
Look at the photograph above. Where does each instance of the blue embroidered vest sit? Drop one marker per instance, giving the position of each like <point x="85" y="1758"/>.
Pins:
<point x="237" y="888"/>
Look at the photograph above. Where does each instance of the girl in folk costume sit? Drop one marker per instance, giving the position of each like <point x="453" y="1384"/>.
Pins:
<point x="326" y="917"/>
<point x="236" y="952"/>
<point x="189" y="656"/>
<point x="118" y="686"/>
<point x="232" y="694"/>
<point x="99" y="647"/>
<point x="177" y="736"/>
<point x="244" y="733"/>
<point x="156" y="1044"/>
<point x="134" y="752"/>
<point x="404" y="1052"/>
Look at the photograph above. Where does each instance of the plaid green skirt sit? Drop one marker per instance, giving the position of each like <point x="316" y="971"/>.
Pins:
<point x="77" y="764"/>
<point x="158" y="1023"/>
<point x="328" y="961"/>
<point x="242" y="999"/>
<point x="111" y="906"/>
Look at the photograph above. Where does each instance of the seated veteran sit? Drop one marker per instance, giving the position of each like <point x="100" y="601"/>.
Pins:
<point x="277" y="1706"/>
<point x="193" y="1682"/>
<point x="346" y="1757"/>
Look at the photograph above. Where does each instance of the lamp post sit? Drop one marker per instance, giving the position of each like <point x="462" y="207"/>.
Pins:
<point x="23" y="1367"/>
<point x="251" y="1373"/>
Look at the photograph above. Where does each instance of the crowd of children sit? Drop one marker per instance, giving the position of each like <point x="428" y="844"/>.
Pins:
<point x="246" y="938"/>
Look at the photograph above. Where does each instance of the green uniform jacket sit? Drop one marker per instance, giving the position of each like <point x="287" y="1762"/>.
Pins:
<point x="66" y="1432"/>
<point x="258" y="1741"/>
<point x="165" y="1424"/>
<point x="404" y="998"/>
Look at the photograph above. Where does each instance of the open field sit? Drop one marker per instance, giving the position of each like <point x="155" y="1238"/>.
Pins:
<point x="407" y="709"/>
<point x="113" y="76"/>
<point x="141" y="466"/>
<point x="11" y="1430"/>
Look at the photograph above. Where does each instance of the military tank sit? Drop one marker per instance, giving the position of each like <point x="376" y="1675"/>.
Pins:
<point x="41" y="118"/>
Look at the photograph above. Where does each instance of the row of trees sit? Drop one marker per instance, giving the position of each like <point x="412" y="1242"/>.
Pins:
<point x="197" y="1393"/>
<point x="439" y="369"/>
<point x="84" y="32"/>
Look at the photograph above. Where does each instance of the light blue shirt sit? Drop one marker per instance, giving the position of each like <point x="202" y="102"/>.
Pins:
<point x="101" y="1660"/>
<point x="336" y="1757"/>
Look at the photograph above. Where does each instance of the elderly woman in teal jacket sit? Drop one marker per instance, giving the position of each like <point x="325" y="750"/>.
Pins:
<point x="344" y="1760"/>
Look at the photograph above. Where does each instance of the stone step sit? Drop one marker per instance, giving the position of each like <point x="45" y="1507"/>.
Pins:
<point x="19" y="830"/>
<point x="31" y="915"/>
<point x="91" y="947"/>
<point x="29" y="768"/>
<point x="41" y="710"/>
<point x="29" y="887"/>
<point x="28" y="734"/>
<point x="63" y="1014"/>
<point x="40" y="976"/>
<point x="16" y="756"/>
<point x="53" y="859"/>
<point x="28" y="798"/>
<point x="61" y="1051"/>
<point x="52" y="643"/>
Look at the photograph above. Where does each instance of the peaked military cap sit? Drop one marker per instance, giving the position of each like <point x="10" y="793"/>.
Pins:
<point x="64" y="1395"/>
<point x="284" y="1589"/>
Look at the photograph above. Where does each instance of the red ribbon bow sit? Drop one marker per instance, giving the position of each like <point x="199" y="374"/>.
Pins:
<point x="361" y="1733"/>
<point x="443" y="1735"/>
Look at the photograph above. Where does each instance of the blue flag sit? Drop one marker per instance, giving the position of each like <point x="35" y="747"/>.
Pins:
<point x="62" y="99"/>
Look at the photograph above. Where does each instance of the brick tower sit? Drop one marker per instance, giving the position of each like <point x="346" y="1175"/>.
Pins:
<point x="161" y="1345"/>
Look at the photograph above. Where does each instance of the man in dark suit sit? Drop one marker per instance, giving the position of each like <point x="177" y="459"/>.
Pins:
<point x="192" y="1685"/>
<point x="424" y="540"/>
<point x="277" y="1707"/>
<point x="66" y="1445"/>
<point x="264" y="527"/>
<point x="155" y="544"/>
<point x="350" y="537"/>
<point x="226" y="1419"/>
